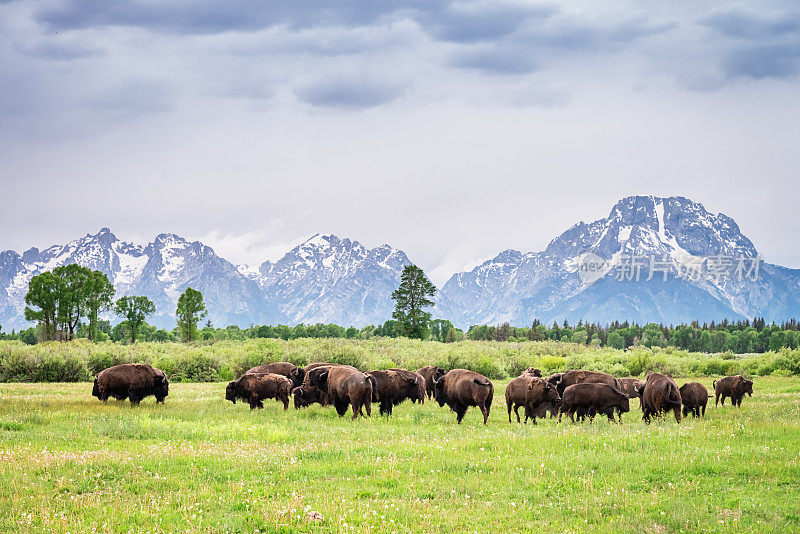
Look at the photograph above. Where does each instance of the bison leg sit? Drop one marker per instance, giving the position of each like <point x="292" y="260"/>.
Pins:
<point x="716" y="400"/>
<point x="485" y="411"/>
<point x="461" y="411"/>
<point x="509" y="404"/>
<point x="516" y="412"/>
<point x="677" y="413"/>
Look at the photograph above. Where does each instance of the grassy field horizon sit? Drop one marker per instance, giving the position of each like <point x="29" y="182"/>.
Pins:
<point x="69" y="463"/>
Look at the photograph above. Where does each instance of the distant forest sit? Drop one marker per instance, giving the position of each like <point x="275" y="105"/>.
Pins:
<point x="740" y="337"/>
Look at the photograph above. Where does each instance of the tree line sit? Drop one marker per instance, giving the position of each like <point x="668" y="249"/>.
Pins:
<point x="67" y="303"/>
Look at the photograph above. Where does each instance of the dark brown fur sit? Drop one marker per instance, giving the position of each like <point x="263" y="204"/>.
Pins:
<point x="658" y="396"/>
<point x="581" y="376"/>
<point x="694" y="397"/>
<point x="345" y="386"/>
<point x="133" y="381"/>
<point x="255" y="387"/>
<point x="306" y="394"/>
<point x="460" y="389"/>
<point x="629" y="385"/>
<point x="592" y="398"/>
<point x="289" y="370"/>
<point x="396" y="385"/>
<point x="532" y="371"/>
<point x="431" y="374"/>
<point x="540" y="397"/>
<point x="299" y="374"/>
<point x="516" y="393"/>
<point x="734" y="387"/>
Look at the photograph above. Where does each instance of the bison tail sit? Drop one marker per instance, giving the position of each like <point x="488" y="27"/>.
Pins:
<point x="482" y="382"/>
<point x="374" y="396"/>
<point x="713" y="385"/>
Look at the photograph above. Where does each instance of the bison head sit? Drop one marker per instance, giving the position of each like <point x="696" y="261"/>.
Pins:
<point x="96" y="389"/>
<point x="296" y="376"/>
<point x="230" y="392"/>
<point x="639" y="388"/>
<point x="533" y="372"/>
<point x="439" y="392"/>
<point x="300" y="400"/>
<point x="319" y="377"/>
<point x="748" y="387"/>
<point x="160" y="387"/>
<point x="624" y="405"/>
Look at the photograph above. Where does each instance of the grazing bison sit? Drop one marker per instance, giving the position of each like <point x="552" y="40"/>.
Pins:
<point x="580" y="376"/>
<point x="540" y="397"/>
<point x="628" y="386"/>
<point x="133" y="381"/>
<point x="345" y="386"/>
<point x="694" y="397"/>
<point x="289" y="370"/>
<point x="460" y="389"/>
<point x="298" y="375"/>
<point x="516" y="393"/>
<point x="431" y="374"/>
<point x="592" y="398"/>
<point x="306" y="394"/>
<point x="555" y="378"/>
<point x="396" y="385"/>
<point x="255" y="387"/>
<point x="532" y="371"/>
<point x="658" y="395"/>
<point x="734" y="387"/>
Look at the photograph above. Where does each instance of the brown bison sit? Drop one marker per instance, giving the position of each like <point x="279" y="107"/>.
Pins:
<point x="540" y="397"/>
<point x="305" y="394"/>
<point x="299" y="373"/>
<point x="591" y="398"/>
<point x="289" y="370"/>
<point x="628" y="386"/>
<point x="133" y="381"/>
<point x="396" y="385"/>
<point x="516" y="394"/>
<point x="345" y="386"/>
<point x="580" y="376"/>
<point x="255" y="387"/>
<point x="694" y="397"/>
<point x="532" y="371"/>
<point x="555" y="378"/>
<point x="460" y="389"/>
<point x="734" y="387"/>
<point x="431" y="374"/>
<point x="658" y="395"/>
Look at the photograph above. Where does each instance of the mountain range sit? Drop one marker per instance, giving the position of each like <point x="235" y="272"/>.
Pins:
<point x="598" y="271"/>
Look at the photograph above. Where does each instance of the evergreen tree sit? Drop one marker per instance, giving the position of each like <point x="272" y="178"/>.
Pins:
<point x="410" y="300"/>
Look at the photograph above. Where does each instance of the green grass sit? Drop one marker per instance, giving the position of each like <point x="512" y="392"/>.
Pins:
<point x="69" y="463"/>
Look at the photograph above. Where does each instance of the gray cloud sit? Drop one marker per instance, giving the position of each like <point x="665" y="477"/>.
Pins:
<point x="740" y="22"/>
<point x="770" y="61"/>
<point x="352" y="92"/>
<point x="496" y="59"/>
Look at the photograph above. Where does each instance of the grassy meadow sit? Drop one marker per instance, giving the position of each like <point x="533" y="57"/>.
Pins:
<point x="69" y="463"/>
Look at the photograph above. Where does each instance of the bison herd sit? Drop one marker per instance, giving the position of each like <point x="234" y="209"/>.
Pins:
<point x="577" y="393"/>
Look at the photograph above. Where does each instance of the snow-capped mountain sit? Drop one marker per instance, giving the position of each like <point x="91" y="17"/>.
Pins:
<point x="640" y="263"/>
<point x="677" y="238"/>
<point x="161" y="270"/>
<point x="327" y="279"/>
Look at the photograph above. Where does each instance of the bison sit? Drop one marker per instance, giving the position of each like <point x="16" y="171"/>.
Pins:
<point x="628" y="386"/>
<point x="133" y="381"/>
<point x="694" y="397"/>
<point x="734" y="387"/>
<point x="396" y="385"/>
<point x="289" y="370"/>
<point x="299" y="373"/>
<point x="430" y="374"/>
<point x="555" y="378"/>
<point x="516" y="393"/>
<point x="592" y="398"/>
<point x="658" y="395"/>
<point x="345" y="386"/>
<point x="255" y="387"/>
<point x="460" y="389"/>
<point x="580" y="376"/>
<point x="532" y="371"/>
<point x="305" y="394"/>
<point x="540" y="397"/>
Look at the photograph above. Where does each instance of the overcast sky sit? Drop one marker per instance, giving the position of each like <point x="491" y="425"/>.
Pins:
<point x="451" y="130"/>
